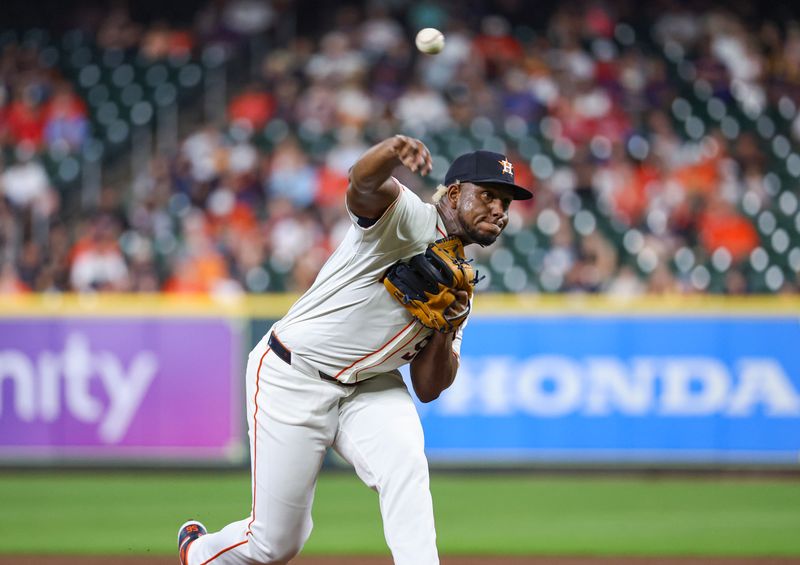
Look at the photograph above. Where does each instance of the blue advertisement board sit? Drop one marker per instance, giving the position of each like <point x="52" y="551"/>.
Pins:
<point x="607" y="389"/>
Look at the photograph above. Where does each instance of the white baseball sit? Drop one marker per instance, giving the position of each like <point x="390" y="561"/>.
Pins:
<point x="430" y="40"/>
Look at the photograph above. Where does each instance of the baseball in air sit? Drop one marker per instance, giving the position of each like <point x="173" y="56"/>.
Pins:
<point x="430" y="40"/>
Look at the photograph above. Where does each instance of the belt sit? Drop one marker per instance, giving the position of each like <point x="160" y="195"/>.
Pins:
<point x="286" y="356"/>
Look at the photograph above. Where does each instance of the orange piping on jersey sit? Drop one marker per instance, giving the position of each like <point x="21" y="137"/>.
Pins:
<point x="336" y="376"/>
<point x="255" y="440"/>
<point x="223" y="551"/>
<point x="438" y="218"/>
<point x="399" y="349"/>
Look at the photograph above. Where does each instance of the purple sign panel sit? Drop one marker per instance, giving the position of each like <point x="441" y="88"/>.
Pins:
<point x="151" y="388"/>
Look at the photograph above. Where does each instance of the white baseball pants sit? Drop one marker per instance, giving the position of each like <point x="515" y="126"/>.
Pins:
<point x="294" y="417"/>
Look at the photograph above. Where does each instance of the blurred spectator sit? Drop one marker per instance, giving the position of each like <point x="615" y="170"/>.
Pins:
<point x="422" y="108"/>
<point x="348" y="148"/>
<point x="291" y="175"/>
<point x="10" y="283"/>
<point x="316" y="108"/>
<point x="252" y="108"/>
<point x="26" y="185"/>
<point x="380" y="33"/>
<point x="25" y="120"/>
<point x="354" y="107"/>
<point x="293" y="234"/>
<point x="204" y="153"/>
<point x="519" y="99"/>
<point x="66" y="126"/>
<point x="438" y="72"/>
<point x="97" y="261"/>
<point x="662" y="281"/>
<point x="118" y="31"/>
<point x="595" y="265"/>
<point x="496" y="46"/>
<point x="161" y="41"/>
<point x="337" y="62"/>
<point x="247" y="17"/>
<point x="200" y="267"/>
<point x="722" y="227"/>
<point x="625" y="283"/>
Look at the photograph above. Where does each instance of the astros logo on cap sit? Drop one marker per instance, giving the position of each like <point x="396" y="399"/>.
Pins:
<point x="507" y="167"/>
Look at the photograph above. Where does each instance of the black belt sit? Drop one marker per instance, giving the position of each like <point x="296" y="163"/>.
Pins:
<point x="286" y="356"/>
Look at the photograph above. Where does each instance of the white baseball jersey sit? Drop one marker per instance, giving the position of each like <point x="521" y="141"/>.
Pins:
<point x="347" y="325"/>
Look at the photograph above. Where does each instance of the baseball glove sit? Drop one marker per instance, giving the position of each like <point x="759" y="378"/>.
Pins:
<point x="426" y="284"/>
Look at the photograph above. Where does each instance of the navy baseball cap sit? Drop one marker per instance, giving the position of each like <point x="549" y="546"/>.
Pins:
<point x="486" y="167"/>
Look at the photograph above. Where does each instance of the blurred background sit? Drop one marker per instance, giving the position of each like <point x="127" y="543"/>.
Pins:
<point x="172" y="176"/>
<point x="205" y="148"/>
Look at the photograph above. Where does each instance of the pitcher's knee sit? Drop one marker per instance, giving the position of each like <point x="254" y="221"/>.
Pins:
<point x="274" y="555"/>
<point x="411" y="465"/>
<point x="279" y="549"/>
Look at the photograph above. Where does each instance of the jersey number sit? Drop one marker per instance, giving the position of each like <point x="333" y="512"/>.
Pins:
<point x="419" y="346"/>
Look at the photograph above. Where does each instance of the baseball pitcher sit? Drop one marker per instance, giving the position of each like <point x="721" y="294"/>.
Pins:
<point x="397" y="290"/>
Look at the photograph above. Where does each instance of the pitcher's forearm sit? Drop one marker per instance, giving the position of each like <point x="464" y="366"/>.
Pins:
<point x="434" y="369"/>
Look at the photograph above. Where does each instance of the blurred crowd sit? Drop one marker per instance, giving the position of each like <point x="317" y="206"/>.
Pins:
<point x="635" y="190"/>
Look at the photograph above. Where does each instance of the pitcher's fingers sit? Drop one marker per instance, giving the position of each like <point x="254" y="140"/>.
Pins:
<point x="427" y="163"/>
<point x="408" y="156"/>
<point x="423" y="157"/>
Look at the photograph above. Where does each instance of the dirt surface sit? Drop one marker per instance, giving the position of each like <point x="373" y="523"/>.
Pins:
<point x="453" y="560"/>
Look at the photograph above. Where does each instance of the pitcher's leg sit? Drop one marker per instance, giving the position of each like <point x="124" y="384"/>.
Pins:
<point x="289" y="438"/>
<point x="381" y="435"/>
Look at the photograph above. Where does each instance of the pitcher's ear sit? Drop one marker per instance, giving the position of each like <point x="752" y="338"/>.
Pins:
<point x="453" y="193"/>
